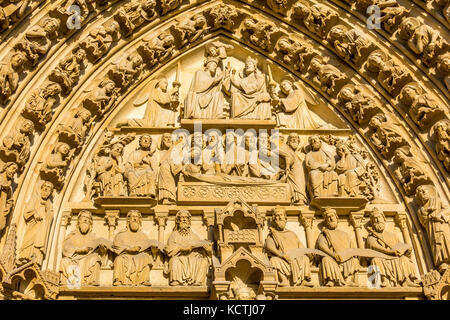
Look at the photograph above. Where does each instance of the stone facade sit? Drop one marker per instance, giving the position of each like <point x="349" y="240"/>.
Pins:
<point x="224" y="150"/>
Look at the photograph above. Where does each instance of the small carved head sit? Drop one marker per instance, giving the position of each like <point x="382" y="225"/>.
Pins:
<point x="331" y="218"/>
<point x="166" y="141"/>
<point x="50" y="25"/>
<point x="62" y="148"/>
<point x="279" y="218"/>
<point x="148" y="5"/>
<point x="109" y="85"/>
<point x="443" y="63"/>
<point x="315" y="142"/>
<point x="346" y="94"/>
<point x="284" y="43"/>
<point x="301" y="9"/>
<point x="84" y="221"/>
<point x="342" y="149"/>
<point x="84" y="114"/>
<point x="401" y="154"/>
<point x="51" y="89"/>
<point x="163" y="83"/>
<point x="27" y="127"/>
<point x="10" y="168"/>
<point x="117" y="149"/>
<point x="136" y="60"/>
<point x="251" y="65"/>
<point x="293" y="140"/>
<point x="377" y="219"/>
<point x="134" y="220"/>
<point x="199" y="19"/>
<point x="410" y="92"/>
<point x="145" y="142"/>
<point x="441" y="129"/>
<point x="17" y="59"/>
<point x="424" y="194"/>
<point x="286" y="86"/>
<point x="376" y="120"/>
<point x="46" y="190"/>
<point x="408" y="26"/>
<point x="376" y="60"/>
<point x="337" y="32"/>
<point x="249" y="23"/>
<point x="316" y="64"/>
<point x="183" y="220"/>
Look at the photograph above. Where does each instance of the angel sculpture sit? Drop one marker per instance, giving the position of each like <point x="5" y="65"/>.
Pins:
<point x="161" y="105"/>
<point x="292" y="108"/>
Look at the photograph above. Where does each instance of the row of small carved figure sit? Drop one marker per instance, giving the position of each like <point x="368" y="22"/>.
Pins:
<point x="186" y="258"/>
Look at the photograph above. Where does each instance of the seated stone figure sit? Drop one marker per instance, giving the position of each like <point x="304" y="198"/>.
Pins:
<point x="133" y="262"/>
<point x="336" y="269"/>
<point x="278" y="242"/>
<point x="396" y="271"/>
<point x="322" y="179"/>
<point x="82" y="250"/>
<point x="188" y="255"/>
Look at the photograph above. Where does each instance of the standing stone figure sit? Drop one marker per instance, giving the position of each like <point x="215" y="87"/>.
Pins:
<point x="16" y="146"/>
<point x="295" y="172"/>
<point x="336" y="270"/>
<point x="167" y="188"/>
<point x="395" y="271"/>
<point x="133" y="262"/>
<point x="278" y="242"/>
<point x="82" y="252"/>
<point x="140" y="170"/>
<point x="38" y="218"/>
<point x="322" y="179"/>
<point x="7" y="172"/>
<point x="188" y="255"/>
<point x="350" y="168"/>
<point x="205" y="98"/>
<point x="435" y="218"/>
<point x="248" y="90"/>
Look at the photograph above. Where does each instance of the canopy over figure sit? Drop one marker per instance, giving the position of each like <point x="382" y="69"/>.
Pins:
<point x="248" y="90"/>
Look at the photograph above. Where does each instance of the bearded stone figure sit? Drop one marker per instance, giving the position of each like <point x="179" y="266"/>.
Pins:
<point x="278" y="242"/>
<point x="38" y="218"/>
<point x="82" y="252"/>
<point x="336" y="270"/>
<point x="205" y="99"/>
<point x="188" y="255"/>
<point x="322" y="179"/>
<point x="248" y="90"/>
<point x="350" y="168"/>
<point x="168" y="170"/>
<point x="140" y="170"/>
<point x="293" y="166"/>
<point x="435" y="218"/>
<point x="399" y="270"/>
<point x="136" y="253"/>
<point x="7" y="173"/>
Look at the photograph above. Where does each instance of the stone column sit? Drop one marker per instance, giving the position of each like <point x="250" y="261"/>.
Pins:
<point x="356" y="221"/>
<point x="111" y="217"/>
<point x="161" y="221"/>
<point x="400" y="220"/>
<point x="208" y="220"/>
<point x="65" y="222"/>
<point x="307" y="220"/>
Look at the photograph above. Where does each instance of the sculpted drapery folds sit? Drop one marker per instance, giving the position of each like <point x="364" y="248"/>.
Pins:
<point x="168" y="171"/>
<point x="38" y="218"/>
<point x="435" y="218"/>
<point x="294" y="169"/>
<point x="327" y="76"/>
<point x="248" y="90"/>
<point x="56" y="164"/>
<point x="384" y="136"/>
<point x="134" y="14"/>
<point x="350" y="168"/>
<point x="295" y="53"/>
<point x="99" y="41"/>
<point x="136" y="253"/>
<point x="205" y="98"/>
<point x="410" y="172"/>
<point x="99" y="100"/>
<point x="441" y="131"/>
<point x="77" y="127"/>
<point x="162" y="105"/>
<point x="292" y="108"/>
<point x="322" y="179"/>
<point x="68" y="70"/>
<point x="141" y="168"/>
<point x="399" y="270"/>
<point x="351" y="44"/>
<point x="334" y="270"/>
<point x="317" y="18"/>
<point x="16" y="147"/>
<point x="82" y="253"/>
<point x="39" y="105"/>
<point x="7" y="173"/>
<point x="192" y="29"/>
<point x="126" y="70"/>
<point x="279" y="241"/>
<point x="37" y="40"/>
<point x="188" y="254"/>
<point x="9" y="75"/>
<point x="358" y="103"/>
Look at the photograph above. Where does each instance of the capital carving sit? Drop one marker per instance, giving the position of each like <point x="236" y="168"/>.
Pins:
<point x="306" y="219"/>
<point x="356" y="219"/>
<point x="111" y="218"/>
